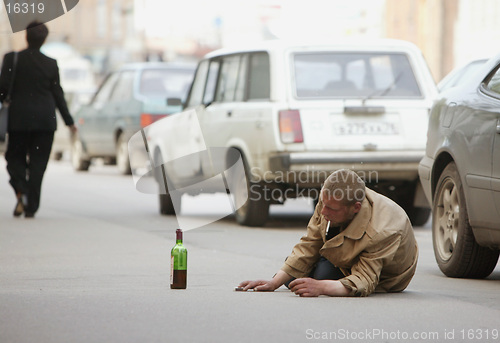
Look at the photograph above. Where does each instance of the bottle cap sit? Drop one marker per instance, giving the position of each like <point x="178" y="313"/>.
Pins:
<point x="178" y="234"/>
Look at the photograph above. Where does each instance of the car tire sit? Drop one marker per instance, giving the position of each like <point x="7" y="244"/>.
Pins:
<point x="255" y="210"/>
<point x="122" y="158"/>
<point x="455" y="248"/>
<point x="167" y="205"/>
<point x="78" y="162"/>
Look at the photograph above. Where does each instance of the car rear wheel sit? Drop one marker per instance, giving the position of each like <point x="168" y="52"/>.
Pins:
<point x="455" y="249"/>
<point x="77" y="160"/>
<point x="122" y="159"/>
<point x="252" y="207"/>
<point x="167" y="205"/>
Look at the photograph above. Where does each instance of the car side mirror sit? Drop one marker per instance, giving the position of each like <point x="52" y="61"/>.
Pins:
<point x="174" y="102"/>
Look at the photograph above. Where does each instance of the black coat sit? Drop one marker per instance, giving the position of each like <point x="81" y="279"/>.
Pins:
<point x="36" y="92"/>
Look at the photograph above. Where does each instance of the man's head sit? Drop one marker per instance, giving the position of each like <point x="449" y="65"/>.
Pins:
<point x="342" y="195"/>
<point x="36" y="33"/>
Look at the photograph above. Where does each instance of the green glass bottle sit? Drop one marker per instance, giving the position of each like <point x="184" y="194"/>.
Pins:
<point x="178" y="263"/>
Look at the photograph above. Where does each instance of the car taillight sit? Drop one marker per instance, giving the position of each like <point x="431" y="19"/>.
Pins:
<point x="148" y="119"/>
<point x="290" y="126"/>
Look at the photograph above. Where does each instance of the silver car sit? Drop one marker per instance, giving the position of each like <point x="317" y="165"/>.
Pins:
<point x="460" y="174"/>
<point x="459" y="75"/>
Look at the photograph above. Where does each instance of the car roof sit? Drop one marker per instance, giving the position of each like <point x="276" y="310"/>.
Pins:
<point x="457" y="74"/>
<point x="158" y="65"/>
<point x="475" y="80"/>
<point x="311" y="45"/>
<point x="493" y="61"/>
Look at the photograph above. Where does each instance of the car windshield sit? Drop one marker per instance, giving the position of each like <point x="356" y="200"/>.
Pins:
<point x="354" y="75"/>
<point x="166" y="83"/>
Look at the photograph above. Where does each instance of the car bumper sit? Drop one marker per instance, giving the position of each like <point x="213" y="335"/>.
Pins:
<point x="382" y="165"/>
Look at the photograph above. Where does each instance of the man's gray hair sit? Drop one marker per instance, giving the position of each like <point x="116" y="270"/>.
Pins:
<point x="344" y="185"/>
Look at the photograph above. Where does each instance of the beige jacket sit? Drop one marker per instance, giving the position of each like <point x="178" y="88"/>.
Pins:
<point x="377" y="251"/>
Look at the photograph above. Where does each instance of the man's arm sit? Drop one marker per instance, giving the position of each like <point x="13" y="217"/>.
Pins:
<point x="58" y="94"/>
<point x="305" y="253"/>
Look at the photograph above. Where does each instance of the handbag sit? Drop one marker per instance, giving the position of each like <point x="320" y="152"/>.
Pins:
<point x="4" y="110"/>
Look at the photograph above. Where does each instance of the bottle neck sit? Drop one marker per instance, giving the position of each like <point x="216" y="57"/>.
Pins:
<point x="178" y="235"/>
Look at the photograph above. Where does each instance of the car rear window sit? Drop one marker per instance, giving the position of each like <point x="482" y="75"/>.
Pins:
<point x="351" y="75"/>
<point x="166" y="83"/>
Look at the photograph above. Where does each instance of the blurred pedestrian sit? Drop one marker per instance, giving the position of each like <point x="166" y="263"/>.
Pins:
<point x="36" y="93"/>
<point x="357" y="242"/>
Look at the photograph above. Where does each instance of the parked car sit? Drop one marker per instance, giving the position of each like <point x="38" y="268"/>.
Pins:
<point x="459" y="75"/>
<point x="133" y="97"/>
<point x="297" y="112"/>
<point x="460" y="174"/>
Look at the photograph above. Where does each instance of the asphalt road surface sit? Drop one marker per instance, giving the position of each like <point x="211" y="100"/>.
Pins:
<point x="93" y="266"/>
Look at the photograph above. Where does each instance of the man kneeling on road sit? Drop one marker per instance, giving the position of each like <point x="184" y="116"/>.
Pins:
<point x="357" y="242"/>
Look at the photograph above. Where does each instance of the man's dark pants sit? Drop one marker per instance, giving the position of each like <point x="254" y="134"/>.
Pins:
<point x="27" y="156"/>
<point x="324" y="270"/>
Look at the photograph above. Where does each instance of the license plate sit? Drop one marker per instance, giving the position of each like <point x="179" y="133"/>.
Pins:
<point x="365" y="128"/>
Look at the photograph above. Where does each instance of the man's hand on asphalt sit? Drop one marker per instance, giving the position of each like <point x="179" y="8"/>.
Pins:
<point x="258" y="285"/>
<point x="307" y="287"/>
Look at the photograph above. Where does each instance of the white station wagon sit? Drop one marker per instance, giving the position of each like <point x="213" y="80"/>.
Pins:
<point x="297" y="112"/>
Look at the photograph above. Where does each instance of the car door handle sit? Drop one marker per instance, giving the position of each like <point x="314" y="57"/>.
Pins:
<point x="498" y="125"/>
<point x="229" y="113"/>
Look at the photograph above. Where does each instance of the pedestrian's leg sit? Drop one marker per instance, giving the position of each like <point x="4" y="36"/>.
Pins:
<point x="38" y="157"/>
<point x="15" y="157"/>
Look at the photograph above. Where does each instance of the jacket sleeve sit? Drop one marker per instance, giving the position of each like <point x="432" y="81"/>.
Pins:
<point x="58" y="95"/>
<point x="365" y="273"/>
<point x="306" y="253"/>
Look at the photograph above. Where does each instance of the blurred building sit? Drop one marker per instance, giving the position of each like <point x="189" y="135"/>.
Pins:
<point x="101" y="30"/>
<point x="476" y="31"/>
<point x="449" y="32"/>
<point x="111" y="32"/>
<point x="430" y="24"/>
